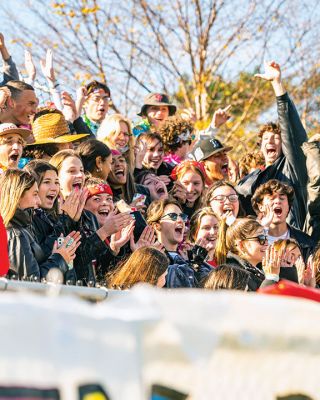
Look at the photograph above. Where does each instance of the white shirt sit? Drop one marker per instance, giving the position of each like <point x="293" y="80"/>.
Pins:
<point x="272" y="239"/>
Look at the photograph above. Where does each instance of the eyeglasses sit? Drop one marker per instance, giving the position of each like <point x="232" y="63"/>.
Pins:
<point x="174" y="216"/>
<point x="97" y="99"/>
<point x="262" y="239"/>
<point x="233" y="198"/>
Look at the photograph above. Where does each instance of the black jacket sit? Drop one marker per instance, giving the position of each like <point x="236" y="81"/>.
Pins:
<point x="182" y="274"/>
<point x="26" y="255"/>
<point x="257" y="277"/>
<point x="47" y="229"/>
<point x="306" y="243"/>
<point x="256" y="274"/>
<point x="312" y="153"/>
<point x="290" y="167"/>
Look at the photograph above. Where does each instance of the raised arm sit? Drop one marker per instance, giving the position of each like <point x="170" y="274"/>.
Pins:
<point x="293" y="133"/>
<point x="10" y="69"/>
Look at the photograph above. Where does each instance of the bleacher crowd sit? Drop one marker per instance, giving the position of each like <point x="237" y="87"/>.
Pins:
<point x="109" y="202"/>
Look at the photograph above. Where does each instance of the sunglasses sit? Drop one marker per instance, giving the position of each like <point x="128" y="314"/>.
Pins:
<point x="174" y="216"/>
<point x="262" y="239"/>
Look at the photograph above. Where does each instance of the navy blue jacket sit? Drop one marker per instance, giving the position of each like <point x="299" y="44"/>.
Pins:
<point x="181" y="273"/>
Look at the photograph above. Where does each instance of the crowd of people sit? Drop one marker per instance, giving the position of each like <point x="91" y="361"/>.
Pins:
<point x="113" y="203"/>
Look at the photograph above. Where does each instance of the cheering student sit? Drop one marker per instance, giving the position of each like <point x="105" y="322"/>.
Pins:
<point x="273" y="200"/>
<point x="115" y="131"/>
<point x="223" y="198"/>
<point x="204" y="227"/>
<point x="168" y="221"/>
<point x="73" y="196"/>
<point x="18" y="198"/>
<point x="280" y="145"/>
<point x="213" y="154"/>
<point x="154" y="112"/>
<point x="12" y="141"/>
<point x="192" y="176"/>
<point x="149" y="155"/>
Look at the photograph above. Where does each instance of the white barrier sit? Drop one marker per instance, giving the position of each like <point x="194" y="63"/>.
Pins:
<point x="209" y="345"/>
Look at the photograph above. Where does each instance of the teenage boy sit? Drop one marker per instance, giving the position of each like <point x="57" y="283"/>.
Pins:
<point x="281" y="148"/>
<point x="273" y="201"/>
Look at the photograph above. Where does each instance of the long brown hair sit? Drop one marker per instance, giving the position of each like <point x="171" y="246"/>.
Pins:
<point x="228" y="236"/>
<point x="146" y="264"/>
<point x="13" y="184"/>
<point x="227" y="277"/>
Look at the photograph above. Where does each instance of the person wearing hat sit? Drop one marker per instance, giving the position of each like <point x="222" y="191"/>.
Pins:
<point x="51" y="134"/>
<point x="155" y="111"/>
<point x="12" y="140"/>
<point x="213" y="154"/>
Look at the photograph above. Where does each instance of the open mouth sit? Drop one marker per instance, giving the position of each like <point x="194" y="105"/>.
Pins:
<point x="160" y="191"/>
<point x="77" y="185"/>
<point x="277" y="211"/>
<point x="227" y="208"/>
<point x="104" y="213"/>
<point x="14" y="157"/>
<point x="179" y="230"/>
<point x="119" y="173"/>
<point x="271" y="151"/>
<point x="51" y="197"/>
<point x="101" y="109"/>
<point x="225" y="168"/>
<point x="211" y="239"/>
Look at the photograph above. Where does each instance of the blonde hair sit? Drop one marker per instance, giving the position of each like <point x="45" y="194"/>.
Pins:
<point x="286" y="244"/>
<point x="62" y="155"/>
<point x="110" y="127"/>
<point x="13" y="183"/>
<point x="146" y="264"/>
<point x="241" y="229"/>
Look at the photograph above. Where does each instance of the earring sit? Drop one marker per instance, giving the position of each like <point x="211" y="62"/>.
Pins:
<point x="99" y="170"/>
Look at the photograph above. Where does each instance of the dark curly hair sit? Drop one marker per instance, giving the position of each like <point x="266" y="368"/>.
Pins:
<point x="170" y="131"/>
<point x="269" y="127"/>
<point x="268" y="189"/>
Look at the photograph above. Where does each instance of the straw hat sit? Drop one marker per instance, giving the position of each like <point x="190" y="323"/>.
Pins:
<point x="50" y="126"/>
<point x="7" y="128"/>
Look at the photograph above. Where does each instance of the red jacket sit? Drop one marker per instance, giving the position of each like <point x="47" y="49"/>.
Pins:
<point x="4" y="258"/>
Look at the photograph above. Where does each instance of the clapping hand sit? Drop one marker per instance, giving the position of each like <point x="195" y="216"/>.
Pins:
<point x="73" y="205"/>
<point x="122" y="237"/>
<point x="147" y="238"/>
<point x="271" y="262"/>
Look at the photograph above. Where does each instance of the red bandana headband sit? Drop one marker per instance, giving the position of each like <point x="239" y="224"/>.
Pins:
<point x="98" y="189"/>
